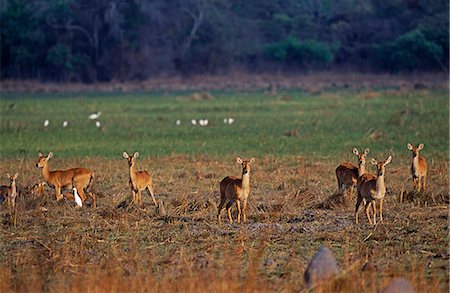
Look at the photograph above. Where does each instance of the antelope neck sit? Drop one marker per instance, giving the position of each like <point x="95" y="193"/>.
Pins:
<point x="133" y="170"/>
<point x="245" y="179"/>
<point x="361" y="169"/>
<point x="416" y="164"/>
<point x="380" y="184"/>
<point x="46" y="172"/>
<point x="13" y="187"/>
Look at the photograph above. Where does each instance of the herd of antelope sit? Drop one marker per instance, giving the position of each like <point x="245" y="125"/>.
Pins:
<point x="233" y="190"/>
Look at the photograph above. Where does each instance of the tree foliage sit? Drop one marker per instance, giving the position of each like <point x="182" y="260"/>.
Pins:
<point x="104" y="40"/>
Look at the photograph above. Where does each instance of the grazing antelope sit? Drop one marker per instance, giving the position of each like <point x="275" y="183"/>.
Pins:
<point x="80" y="178"/>
<point x="233" y="189"/>
<point x="10" y="192"/>
<point x="370" y="189"/>
<point x="139" y="180"/>
<point x="347" y="174"/>
<point x="38" y="189"/>
<point x="418" y="167"/>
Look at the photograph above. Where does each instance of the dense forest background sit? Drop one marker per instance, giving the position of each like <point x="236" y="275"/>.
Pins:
<point x="119" y="40"/>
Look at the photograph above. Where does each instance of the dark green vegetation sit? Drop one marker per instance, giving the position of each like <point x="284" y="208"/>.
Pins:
<point x="107" y="40"/>
<point x="321" y="125"/>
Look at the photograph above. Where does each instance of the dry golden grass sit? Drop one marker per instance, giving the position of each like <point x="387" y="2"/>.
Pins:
<point x="293" y="210"/>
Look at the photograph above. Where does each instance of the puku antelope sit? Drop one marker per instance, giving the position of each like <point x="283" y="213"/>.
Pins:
<point x="38" y="189"/>
<point x="9" y="192"/>
<point x="233" y="189"/>
<point x="139" y="180"/>
<point x="371" y="188"/>
<point x="418" y="167"/>
<point x="80" y="178"/>
<point x="347" y="174"/>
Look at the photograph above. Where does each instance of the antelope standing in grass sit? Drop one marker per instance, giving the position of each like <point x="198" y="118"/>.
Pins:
<point x="418" y="167"/>
<point x="347" y="174"/>
<point x="80" y="178"/>
<point x="10" y="192"/>
<point x="139" y="180"/>
<point x="370" y="189"/>
<point x="233" y="189"/>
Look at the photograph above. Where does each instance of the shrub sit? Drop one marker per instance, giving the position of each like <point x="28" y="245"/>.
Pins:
<point x="301" y="53"/>
<point x="409" y="51"/>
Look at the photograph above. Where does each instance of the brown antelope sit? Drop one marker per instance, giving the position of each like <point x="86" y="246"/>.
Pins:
<point x="80" y="178"/>
<point x="10" y="192"/>
<point x="38" y="189"/>
<point x="139" y="180"/>
<point x="347" y="174"/>
<point x="233" y="189"/>
<point x="371" y="188"/>
<point x="418" y="167"/>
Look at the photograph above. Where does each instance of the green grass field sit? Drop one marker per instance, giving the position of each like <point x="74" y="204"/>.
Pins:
<point x="293" y="123"/>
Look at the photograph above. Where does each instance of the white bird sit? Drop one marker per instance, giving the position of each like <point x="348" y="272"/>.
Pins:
<point x="97" y="124"/>
<point x="230" y="120"/>
<point x="193" y="122"/>
<point x="201" y="122"/>
<point x="77" y="197"/>
<point x="94" y="116"/>
<point x="225" y="120"/>
<point x="205" y="122"/>
<point x="65" y="123"/>
<point x="178" y="122"/>
<point x="46" y="123"/>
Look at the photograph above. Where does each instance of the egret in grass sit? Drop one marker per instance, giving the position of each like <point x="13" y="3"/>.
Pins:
<point x="97" y="124"/>
<point x="94" y="116"/>
<point x="77" y="197"/>
<point x="194" y="122"/>
<point x="65" y="123"/>
<point x="178" y="123"/>
<point x="46" y="123"/>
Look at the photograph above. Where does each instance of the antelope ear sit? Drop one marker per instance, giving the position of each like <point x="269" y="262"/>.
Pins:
<point x="136" y="154"/>
<point x="420" y="146"/>
<point x="50" y="154"/>
<point x="41" y="154"/>
<point x="16" y="175"/>
<point x="388" y="160"/>
<point x="7" y="175"/>
<point x="252" y="160"/>
<point x="373" y="161"/>
<point x="125" y="155"/>
<point x="239" y="160"/>
<point x="410" y="147"/>
<point x="366" y="151"/>
<point x="355" y="151"/>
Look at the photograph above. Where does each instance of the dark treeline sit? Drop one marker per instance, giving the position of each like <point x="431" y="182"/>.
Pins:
<point x="107" y="40"/>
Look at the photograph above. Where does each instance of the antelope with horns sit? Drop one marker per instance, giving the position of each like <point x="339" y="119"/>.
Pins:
<point x="233" y="189"/>
<point x="370" y="189"/>
<point x="80" y="178"/>
<point x="418" y="167"/>
<point x="139" y="180"/>
<point x="9" y="192"/>
<point x="347" y="174"/>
